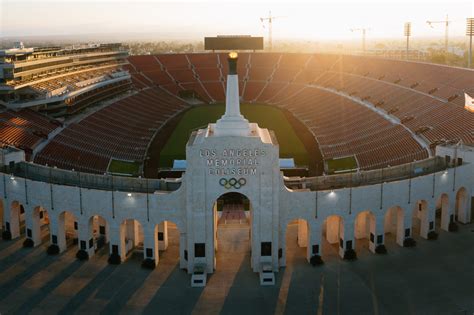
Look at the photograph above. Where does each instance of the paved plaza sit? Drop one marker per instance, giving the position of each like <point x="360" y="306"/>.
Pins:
<point x="436" y="277"/>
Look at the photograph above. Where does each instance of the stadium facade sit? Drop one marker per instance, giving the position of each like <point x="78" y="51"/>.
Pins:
<point x="237" y="156"/>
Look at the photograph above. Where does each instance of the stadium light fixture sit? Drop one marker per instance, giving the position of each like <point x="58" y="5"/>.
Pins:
<point x="470" y="33"/>
<point x="407" y="32"/>
<point x="446" y="30"/>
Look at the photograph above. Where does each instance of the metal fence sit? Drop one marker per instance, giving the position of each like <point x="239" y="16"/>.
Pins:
<point x="132" y="184"/>
<point x="91" y="181"/>
<point x="362" y="178"/>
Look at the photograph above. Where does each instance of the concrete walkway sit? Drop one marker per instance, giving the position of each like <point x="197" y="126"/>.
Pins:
<point x="436" y="277"/>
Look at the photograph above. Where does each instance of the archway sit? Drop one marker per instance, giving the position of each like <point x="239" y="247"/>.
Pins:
<point x="297" y="240"/>
<point x="232" y="228"/>
<point x="442" y="213"/>
<point x="100" y="231"/>
<point x="164" y="243"/>
<point x="131" y="239"/>
<point x="333" y="228"/>
<point x="37" y="226"/>
<point x="15" y="221"/>
<point x="364" y="231"/>
<point x="67" y="231"/>
<point x="422" y="221"/>
<point x="462" y="205"/>
<point x="394" y="226"/>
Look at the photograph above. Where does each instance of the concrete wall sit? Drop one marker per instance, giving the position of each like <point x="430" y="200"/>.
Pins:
<point x="393" y="206"/>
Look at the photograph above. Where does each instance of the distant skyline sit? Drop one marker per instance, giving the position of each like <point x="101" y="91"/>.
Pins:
<point x="185" y="20"/>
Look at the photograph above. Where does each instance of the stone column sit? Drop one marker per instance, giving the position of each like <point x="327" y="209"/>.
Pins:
<point x="314" y="241"/>
<point x="12" y="218"/>
<point x="150" y="245"/>
<point x="346" y="236"/>
<point x="376" y="232"/>
<point x="163" y="235"/>
<point x="57" y="232"/>
<point x="33" y="224"/>
<point x="86" y="237"/>
<point x="116" y="237"/>
<point x="182" y="250"/>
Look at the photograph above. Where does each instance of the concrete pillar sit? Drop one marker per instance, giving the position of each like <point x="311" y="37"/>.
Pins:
<point x="103" y="228"/>
<point x="57" y="232"/>
<point x="132" y="233"/>
<point x="2" y="213"/>
<point x="117" y="240"/>
<point x="182" y="250"/>
<point x="163" y="235"/>
<point x="332" y="229"/>
<point x="422" y="211"/>
<point x="346" y="239"/>
<point x="33" y="224"/>
<point x="86" y="237"/>
<point x="445" y="213"/>
<point x="314" y="240"/>
<point x="463" y="207"/>
<point x="404" y="230"/>
<point x="302" y="233"/>
<point x="12" y="219"/>
<point x="376" y="232"/>
<point x="150" y="243"/>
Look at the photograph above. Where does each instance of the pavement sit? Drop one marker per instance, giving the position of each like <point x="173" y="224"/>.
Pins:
<point x="435" y="277"/>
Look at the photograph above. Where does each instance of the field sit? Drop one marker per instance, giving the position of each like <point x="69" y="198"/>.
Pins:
<point x="341" y="165"/>
<point x="124" y="167"/>
<point x="266" y="116"/>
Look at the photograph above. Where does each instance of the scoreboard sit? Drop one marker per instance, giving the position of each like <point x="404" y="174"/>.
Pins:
<point x="233" y="42"/>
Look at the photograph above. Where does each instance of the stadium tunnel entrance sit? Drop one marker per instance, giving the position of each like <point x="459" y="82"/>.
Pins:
<point x="232" y="229"/>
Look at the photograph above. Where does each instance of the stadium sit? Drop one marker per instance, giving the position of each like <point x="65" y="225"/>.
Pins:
<point x="175" y="154"/>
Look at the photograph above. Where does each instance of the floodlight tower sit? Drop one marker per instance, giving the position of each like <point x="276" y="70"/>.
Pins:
<point x="470" y="33"/>
<point x="446" y="31"/>
<point x="364" y="32"/>
<point x="407" y="34"/>
<point x="270" y="19"/>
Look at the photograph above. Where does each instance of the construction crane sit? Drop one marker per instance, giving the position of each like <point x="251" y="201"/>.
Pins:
<point x="270" y="19"/>
<point x="446" y="22"/>
<point x="364" y="32"/>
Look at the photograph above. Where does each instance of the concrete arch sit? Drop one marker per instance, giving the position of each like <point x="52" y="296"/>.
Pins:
<point x="443" y="215"/>
<point x="423" y="220"/>
<point x="64" y="232"/>
<point x="131" y="236"/>
<point x="296" y="232"/>
<point x="100" y="231"/>
<point x="461" y="212"/>
<point x="394" y="224"/>
<point x="333" y="231"/>
<point x="14" y="219"/>
<point x="235" y="209"/>
<point x="161" y="236"/>
<point x="37" y="221"/>
<point x="365" y="228"/>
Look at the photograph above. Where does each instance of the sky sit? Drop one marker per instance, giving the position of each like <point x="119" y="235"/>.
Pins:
<point x="303" y="20"/>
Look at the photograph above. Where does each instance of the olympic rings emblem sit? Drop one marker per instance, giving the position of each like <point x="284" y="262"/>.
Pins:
<point x="233" y="182"/>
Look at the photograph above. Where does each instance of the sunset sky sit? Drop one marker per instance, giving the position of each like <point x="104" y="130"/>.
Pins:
<point x="312" y="20"/>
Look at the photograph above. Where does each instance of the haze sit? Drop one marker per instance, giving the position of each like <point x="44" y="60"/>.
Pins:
<point x="311" y="20"/>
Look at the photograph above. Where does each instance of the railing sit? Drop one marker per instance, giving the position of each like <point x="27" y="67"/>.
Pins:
<point x="89" y="181"/>
<point x="400" y="172"/>
<point x="142" y="185"/>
